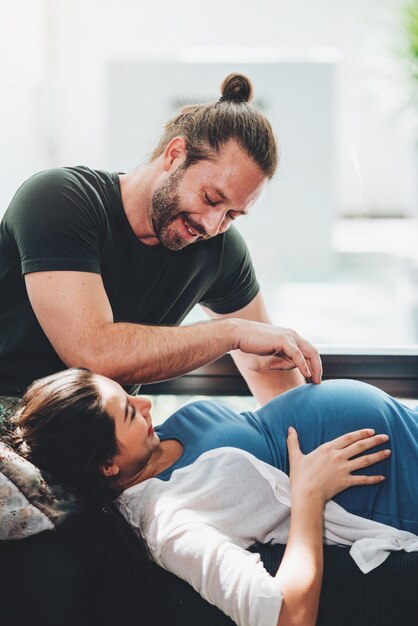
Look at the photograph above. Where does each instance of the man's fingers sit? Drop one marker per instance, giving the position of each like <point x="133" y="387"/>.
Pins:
<point x="316" y="369"/>
<point x="286" y="348"/>
<point x="311" y="355"/>
<point x="290" y="357"/>
<point x="313" y="359"/>
<point x="281" y="362"/>
<point x="299" y="353"/>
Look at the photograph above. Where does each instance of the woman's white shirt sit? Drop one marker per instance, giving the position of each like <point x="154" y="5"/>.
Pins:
<point x="200" y="522"/>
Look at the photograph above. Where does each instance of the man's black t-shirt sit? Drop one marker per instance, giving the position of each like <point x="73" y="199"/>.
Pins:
<point x="73" y="219"/>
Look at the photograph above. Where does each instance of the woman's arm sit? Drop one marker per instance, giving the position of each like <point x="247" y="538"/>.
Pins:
<point x="197" y="525"/>
<point x="316" y="478"/>
<point x="300" y="571"/>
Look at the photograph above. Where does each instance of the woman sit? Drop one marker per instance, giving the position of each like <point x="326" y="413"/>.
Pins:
<point x="88" y="432"/>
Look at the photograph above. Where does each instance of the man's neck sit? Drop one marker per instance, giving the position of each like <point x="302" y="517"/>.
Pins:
<point x="136" y="191"/>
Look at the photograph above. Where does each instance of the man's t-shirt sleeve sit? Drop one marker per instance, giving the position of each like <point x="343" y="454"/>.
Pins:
<point x="236" y="283"/>
<point x="54" y="224"/>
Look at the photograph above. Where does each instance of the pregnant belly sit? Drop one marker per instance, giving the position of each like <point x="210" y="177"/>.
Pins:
<point x="323" y="412"/>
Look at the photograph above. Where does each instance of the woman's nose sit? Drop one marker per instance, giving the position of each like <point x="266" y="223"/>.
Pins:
<point x="143" y="404"/>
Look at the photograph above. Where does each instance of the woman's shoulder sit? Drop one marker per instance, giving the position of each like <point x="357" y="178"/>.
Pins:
<point x="223" y="473"/>
<point x="196" y="414"/>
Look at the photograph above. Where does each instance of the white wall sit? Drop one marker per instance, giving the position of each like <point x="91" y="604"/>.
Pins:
<point x="55" y="52"/>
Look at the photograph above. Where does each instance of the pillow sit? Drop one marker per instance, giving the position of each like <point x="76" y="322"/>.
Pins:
<point x="28" y="504"/>
<point x="8" y="406"/>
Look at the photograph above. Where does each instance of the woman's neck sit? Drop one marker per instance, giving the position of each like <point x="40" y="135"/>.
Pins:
<point x="167" y="453"/>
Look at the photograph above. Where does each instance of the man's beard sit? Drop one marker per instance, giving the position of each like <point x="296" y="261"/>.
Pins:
<point x="165" y="209"/>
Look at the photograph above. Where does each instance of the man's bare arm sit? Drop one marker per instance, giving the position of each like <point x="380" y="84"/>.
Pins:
<point x="75" y="314"/>
<point x="269" y="376"/>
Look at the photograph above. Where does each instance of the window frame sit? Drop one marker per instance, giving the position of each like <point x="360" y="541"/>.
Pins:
<point x="394" y="371"/>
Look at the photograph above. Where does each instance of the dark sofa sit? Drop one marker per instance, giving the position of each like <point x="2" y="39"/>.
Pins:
<point x="63" y="579"/>
<point x="92" y="569"/>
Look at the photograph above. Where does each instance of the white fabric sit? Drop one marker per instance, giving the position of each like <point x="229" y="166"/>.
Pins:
<point x="200" y="522"/>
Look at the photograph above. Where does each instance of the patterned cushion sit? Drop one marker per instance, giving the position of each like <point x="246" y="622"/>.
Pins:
<point x="8" y="406"/>
<point x="28" y="504"/>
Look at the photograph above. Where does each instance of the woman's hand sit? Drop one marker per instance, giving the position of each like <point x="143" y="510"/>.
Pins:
<point x="327" y="470"/>
<point x="316" y="478"/>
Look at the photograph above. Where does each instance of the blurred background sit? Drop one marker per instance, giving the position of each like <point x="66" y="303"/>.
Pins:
<point x="334" y="238"/>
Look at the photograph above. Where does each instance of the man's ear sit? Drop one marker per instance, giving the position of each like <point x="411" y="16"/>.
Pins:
<point x="175" y="152"/>
<point x="109" y="468"/>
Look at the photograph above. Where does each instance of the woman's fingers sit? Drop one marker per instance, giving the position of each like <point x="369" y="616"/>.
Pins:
<point x="293" y="447"/>
<point x="367" y="460"/>
<point x="295" y="454"/>
<point x="327" y="470"/>
<point x="349" y="438"/>
<point x="356" y="481"/>
<point x="364" y="444"/>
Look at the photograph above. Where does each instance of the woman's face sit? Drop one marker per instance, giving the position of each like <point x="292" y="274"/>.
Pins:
<point x="133" y="426"/>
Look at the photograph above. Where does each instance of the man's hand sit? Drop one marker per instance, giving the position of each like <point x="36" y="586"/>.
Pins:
<point x="268" y="376"/>
<point x="288" y="349"/>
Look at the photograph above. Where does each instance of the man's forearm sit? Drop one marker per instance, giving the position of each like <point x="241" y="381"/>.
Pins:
<point x="133" y="353"/>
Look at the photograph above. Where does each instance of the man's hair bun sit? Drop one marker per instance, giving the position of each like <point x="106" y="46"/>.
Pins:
<point x="206" y="128"/>
<point x="236" y="88"/>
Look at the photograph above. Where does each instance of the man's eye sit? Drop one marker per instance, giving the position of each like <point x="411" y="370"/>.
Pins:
<point x="210" y="201"/>
<point x="133" y="413"/>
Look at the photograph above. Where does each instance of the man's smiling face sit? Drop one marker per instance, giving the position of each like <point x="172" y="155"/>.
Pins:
<point x="202" y="200"/>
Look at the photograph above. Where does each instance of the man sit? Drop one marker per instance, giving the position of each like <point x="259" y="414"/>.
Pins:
<point x="97" y="269"/>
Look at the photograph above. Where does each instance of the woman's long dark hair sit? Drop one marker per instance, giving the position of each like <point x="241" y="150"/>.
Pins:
<point x="62" y="427"/>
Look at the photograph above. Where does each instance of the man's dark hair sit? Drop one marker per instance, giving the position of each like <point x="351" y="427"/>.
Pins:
<point x="208" y="127"/>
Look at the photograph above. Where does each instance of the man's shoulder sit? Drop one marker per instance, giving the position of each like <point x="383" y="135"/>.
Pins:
<point x="62" y="177"/>
<point x="233" y="237"/>
<point x="55" y="198"/>
<point x="234" y="248"/>
<point x="79" y="175"/>
<point x="65" y="190"/>
<point x="229" y="242"/>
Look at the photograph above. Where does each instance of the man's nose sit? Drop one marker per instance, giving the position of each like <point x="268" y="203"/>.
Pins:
<point x="212" y="221"/>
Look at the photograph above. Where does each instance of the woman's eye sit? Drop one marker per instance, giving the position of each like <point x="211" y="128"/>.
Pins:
<point x="133" y="413"/>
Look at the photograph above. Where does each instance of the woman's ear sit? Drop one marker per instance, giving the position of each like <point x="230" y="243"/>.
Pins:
<point x="109" y="468"/>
